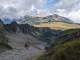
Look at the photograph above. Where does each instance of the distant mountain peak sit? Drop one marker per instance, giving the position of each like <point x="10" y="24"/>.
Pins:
<point x="54" y="18"/>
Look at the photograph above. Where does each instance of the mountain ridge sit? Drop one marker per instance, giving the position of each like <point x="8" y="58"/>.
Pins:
<point x="33" y="20"/>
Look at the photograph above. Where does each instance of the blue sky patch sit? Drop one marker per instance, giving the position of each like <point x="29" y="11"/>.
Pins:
<point x="50" y="3"/>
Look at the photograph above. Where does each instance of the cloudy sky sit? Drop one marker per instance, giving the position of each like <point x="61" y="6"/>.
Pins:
<point x="15" y="8"/>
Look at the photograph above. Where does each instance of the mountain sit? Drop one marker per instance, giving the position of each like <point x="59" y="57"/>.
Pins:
<point x="48" y="29"/>
<point x="18" y="41"/>
<point x="51" y="18"/>
<point x="35" y="33"/>
<point x="58" y="18"/>
<point x="45" y="31"/>
<point x="39" y="33"/>
<point x="31" y="36"/>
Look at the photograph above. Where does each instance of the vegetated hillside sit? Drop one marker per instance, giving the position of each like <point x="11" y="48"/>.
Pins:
<point x="66" y="47"/>
<point x="68" y="35"/>
<point x="46" y="34"/>
<point x="58" y="25"/>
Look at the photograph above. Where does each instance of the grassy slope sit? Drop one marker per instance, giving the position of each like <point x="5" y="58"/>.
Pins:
<point x="69" y="50"/>
<point x="58" y="25"/>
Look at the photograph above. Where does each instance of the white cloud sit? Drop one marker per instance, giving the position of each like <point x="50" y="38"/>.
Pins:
<point x="14" y="8"/>
<point x="20" y="7"/>
<point x="75" y="16"/>
<point x="43" y="13"/>
<point x="69" y="9"/>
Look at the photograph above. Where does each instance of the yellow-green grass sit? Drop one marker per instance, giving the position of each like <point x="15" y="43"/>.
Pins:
<point x="58" y="25"/>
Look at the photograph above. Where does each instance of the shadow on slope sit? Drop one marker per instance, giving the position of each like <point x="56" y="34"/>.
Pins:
<point x="67" y="47"/>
